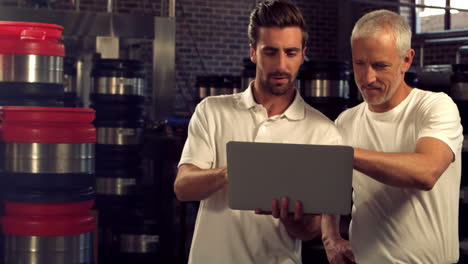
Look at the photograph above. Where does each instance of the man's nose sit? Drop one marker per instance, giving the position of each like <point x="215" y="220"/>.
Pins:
<point x="369" y="75"/>
<point x="281" y="61"/>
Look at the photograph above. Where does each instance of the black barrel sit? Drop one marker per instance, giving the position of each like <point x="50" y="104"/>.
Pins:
<point x="236" y="82"/>
<point x="31" y="64"/>
<point x="220" y="85"/>
<point x="463" y="251"/>
<point x="211" y="85"/>
<point x="411" y="78"/>
<point x="117" y="187"/>
<point x="71" y="95"/>
<point x="248" y="73"/>
<point x="117" y="81"/>
<point x="355" y="96"/>
<point x="128" y="236"/>
<point x="117" y="112"/>
<point x="202" y="87"/>
<point x="459" y="82"/>
<point x="31" y="94"/>
<point x="48" y="233"/>
<point x="436" y="78"/>
<point x="459" y="93"/>
<point x="139" y="241"/>
<point x="48" y="154"/>
<point x="325" y="86"/>
<point x="118" y="98"/>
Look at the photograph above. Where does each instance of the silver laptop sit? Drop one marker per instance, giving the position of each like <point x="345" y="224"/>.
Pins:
<point x="318" y="175"/>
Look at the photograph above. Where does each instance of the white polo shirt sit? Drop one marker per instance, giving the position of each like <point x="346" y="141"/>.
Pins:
<point x="405" y="225"/>
<point x="225" y="236"/>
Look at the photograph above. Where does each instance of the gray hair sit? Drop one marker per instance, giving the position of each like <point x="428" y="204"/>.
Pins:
<point x="375" y="21"/>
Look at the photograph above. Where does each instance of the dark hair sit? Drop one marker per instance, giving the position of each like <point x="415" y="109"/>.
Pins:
<point x="276" y="13"/>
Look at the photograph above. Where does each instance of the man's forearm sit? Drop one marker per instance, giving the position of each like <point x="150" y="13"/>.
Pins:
<point x="195" y="184"/>
<point x="419" y="169"/>
<point x="330" y="227"/>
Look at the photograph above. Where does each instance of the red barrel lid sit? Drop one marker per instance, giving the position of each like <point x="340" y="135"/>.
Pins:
<point x="48" y="225"/>
<point x="42" y="209"/>
<point x="47" y="124"/>
<point x="31" y="38"/>
<point x="46" y="114"/>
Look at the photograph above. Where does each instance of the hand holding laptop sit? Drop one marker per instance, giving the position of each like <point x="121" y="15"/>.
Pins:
<point x="297" y="223"/>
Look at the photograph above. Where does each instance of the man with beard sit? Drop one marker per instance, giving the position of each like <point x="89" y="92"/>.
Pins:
<point x="270" y="110"/>
<point x="407" y="152"/>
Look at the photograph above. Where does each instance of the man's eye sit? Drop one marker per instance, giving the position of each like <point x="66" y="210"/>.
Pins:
<point x="380" y="66"/>
<point x="291" y="54"/>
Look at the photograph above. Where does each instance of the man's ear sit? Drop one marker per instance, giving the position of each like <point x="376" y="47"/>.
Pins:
<point x="253" y="54"/>
<point x="407" y="60"/>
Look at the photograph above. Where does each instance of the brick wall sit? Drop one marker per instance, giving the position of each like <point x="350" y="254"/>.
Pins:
<point x="142" y="7"/>
<point x="211" y="35"/>
<point x="211" y="38"/>
<point x="443" y="53"/>
<point x="322" y="22"/>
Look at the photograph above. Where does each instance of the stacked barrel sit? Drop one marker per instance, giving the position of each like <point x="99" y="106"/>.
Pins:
<point x="325" y="86"/>
<point x="118" y="98"/>
<point x="49" y="184"/>
<point x="47" y="173"/>
<point x="210" y="85"/>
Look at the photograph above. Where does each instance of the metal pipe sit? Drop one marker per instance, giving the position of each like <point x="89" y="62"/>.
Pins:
<point x="421" y="56"/>
<point x="446" y="40"/>
<point x="109" y="6"/>
<point x="172" y="8"/>
<point x="393" y="3"/>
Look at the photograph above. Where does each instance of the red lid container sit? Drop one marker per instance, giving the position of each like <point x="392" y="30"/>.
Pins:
<point x="48" y="225"/>
<point x="31" y="38"/>
<point x="43" y="209"/>
<point x="47" y="124"/>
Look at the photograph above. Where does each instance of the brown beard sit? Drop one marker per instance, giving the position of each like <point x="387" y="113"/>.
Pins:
<point x="277" y="90"/>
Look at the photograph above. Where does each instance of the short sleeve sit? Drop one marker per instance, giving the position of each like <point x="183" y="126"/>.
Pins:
<point x="198" y="147"/>
<point x="440" y="119"/>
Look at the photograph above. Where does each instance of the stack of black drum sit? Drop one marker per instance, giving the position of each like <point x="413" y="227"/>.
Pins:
<point x="210" y="85"/>
<point x="459" y="93"/>
<point x="118" y="98"/>
<point x="325" y="86"/>
<point x="47" y="165"/>
<point x="48" y="180"/>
